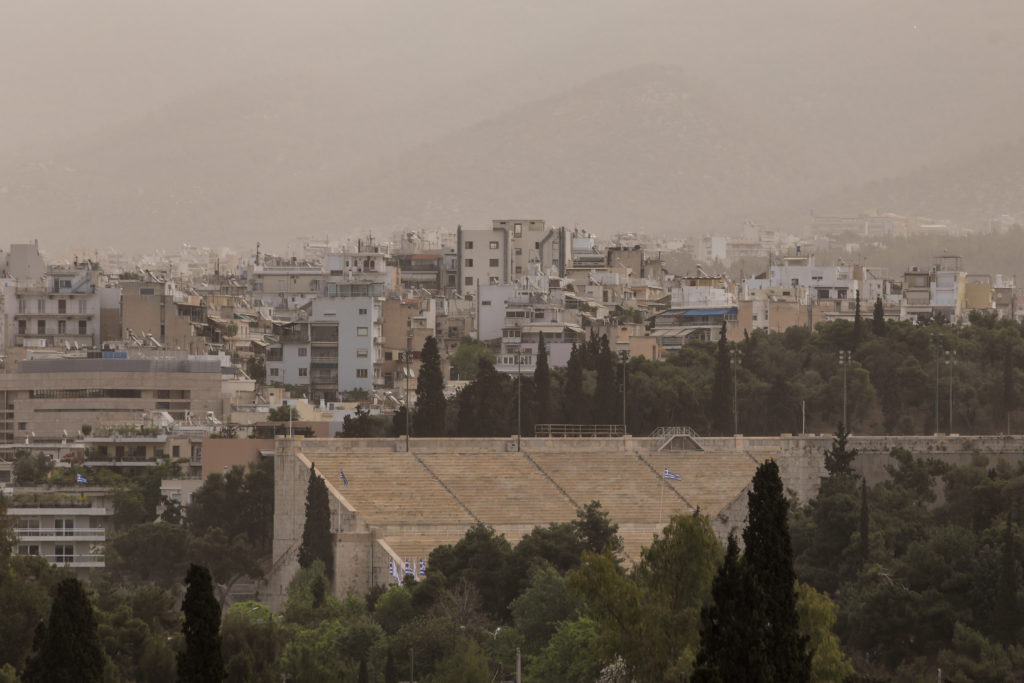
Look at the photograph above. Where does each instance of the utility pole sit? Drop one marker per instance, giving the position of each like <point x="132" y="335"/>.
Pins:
<point x="950" y="360"/>
<point x="937" y="354"/>
<point x="408" y="345"/>
<point x="625" y="357"/>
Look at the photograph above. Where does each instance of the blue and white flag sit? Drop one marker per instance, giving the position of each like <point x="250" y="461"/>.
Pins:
<point x="408" y="568"/>
<point x="669" y="474"/>
<point x="341" y="473"/>
<point x="393" y="571"/>
<point x="80" y="479"/>
<point x="423" y="568"/>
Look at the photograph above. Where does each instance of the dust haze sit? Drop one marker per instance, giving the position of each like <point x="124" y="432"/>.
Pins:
<point x="143" y="124"/>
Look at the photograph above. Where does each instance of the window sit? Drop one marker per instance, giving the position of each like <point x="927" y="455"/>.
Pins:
<point x="41" y="326"/>
<point x="389" y="355"/>
<point x="517" y="229"/>
<point x="28" y="549"/>
<point x="81" y="327"/>
<point x="469" y="280"/>
<point x="494" y="263"/>
<point x="362" y="311"/>
<point x="64" y="527"/>
<point x="362" y="353"/>
<point x="494" y="280"/>
<point x="62" y="305"/>
<point x="303" y="372"/>
<point x="519" y="251"/>
<point x="469" y="263"/>
<point x="302" y="352"/>
<point x="22" y="326"/>
<point x="22" y="306"/>
<point x="362" y="331"/>
<point x="519" y="269"/>
<point x="64" y="553"/>
<point x="62" y="327"/>
<point x="81" y="306"/>
<point x="40" y="306"/>
<point x="469" y="244"/>
<point x="362" y="373"/>
<point x="493" y="245"/>
<point x="485" y="303"/>
<point x="273" y="372"/>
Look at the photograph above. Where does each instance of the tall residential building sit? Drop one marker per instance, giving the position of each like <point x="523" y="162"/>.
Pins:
<point x="337" y="347"/>
<point x="511" y="249"/>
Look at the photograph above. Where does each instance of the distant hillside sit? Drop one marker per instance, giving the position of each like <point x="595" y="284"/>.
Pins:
<point x="643" y="148"/>
<point x="969" y="191"/>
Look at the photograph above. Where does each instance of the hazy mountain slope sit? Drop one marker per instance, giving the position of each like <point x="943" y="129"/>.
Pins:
<point x="970" y="190"/>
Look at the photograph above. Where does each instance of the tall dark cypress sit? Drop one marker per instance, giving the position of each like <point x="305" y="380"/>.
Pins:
<point x="317" y="540"/>
<point x="878" y="319"/>
<point x="768" y="556"/>
<point x="721" y="390"/>
<point x="201" y="660"/>
<point x="575" y="402"/>
<point x="542" y="383"/>
<point x="865" y="523"/>
<point x="730" y="647"/>
<point x="491" y="402"/>
<point x="1009" y="401"/>
<point x="67" y="648"/>
<point x="428" y="420"/>
<point x="1005" y="619"/>
<point x="606" y="394"/>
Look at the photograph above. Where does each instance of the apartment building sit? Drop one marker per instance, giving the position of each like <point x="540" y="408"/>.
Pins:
<point x="156" y="312"/>
<point x="509" y="250"/>
<point x="337" y="347"/>
<point x="64" y="525"/>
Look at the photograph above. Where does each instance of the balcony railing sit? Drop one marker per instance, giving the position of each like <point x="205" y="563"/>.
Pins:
<point x="75" y="561"/>
<point x="83" y="534"/>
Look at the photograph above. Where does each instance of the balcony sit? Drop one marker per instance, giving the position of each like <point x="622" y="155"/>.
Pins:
<point x="98" y="535"/>
<point x="84" y="561"/>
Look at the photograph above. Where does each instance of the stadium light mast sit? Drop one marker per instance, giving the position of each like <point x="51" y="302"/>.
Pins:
<point x="519" y="402"/>
<point x="625" y="357"/>
<point x="844" y="360"/>
<point x="408" y="345"/>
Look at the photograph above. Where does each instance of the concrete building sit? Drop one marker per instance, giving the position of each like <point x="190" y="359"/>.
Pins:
<point x="64" y="525"/>
<point x="156" y="312"/>
<point x="509" y="250"/>
<point x="51" y="399"/>
<point x="337" y="347"/>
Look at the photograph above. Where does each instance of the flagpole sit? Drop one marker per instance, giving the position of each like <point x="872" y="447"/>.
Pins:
<point x="661" y="501"/>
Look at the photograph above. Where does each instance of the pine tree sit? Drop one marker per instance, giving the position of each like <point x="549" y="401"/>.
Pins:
<point x="730" y="649"/>
<point x="575" y="401"/>
<point x="317" y="540"/>
<point x="858" y="324"/>
<point x="201" y="660"/>
<point x="542" y="382"/>
<point x="768" y="557"/>
<point x="878" y="319"/>
<point x="67" y="648"/>
<point x="721" y="389"/>
<point x="428" y="420"/>
<point x="839" y="460"/>
<point x="606" y="394"/>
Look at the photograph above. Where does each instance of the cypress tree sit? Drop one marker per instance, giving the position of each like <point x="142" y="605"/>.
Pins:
<point x="721" y="389"/>
<point x="67" y="648"/>
<point x="491" y="401"/>
<point x="1009" y="390"/>
<point x="390" y="674"/>
<point x="838" y="459"/>
<point x="768" y="557"/>
<point x="878" y="319"/>
<point x="865" y="524"/>
<point x="428" y="420"/>
<point x="1005" y="621"/>
<point x="201" y="660"/>
<point x="858" y="324"/>
<point x="730" y="649"/>
<point x="575" y="407"/>
<point x="364" y="675"/>
<point x="317" y="540"/>
<point x="542" y="382"/>
<point x="606" y="394"/>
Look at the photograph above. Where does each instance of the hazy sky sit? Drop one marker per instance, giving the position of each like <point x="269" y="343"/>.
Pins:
<point x="170" y="120"/>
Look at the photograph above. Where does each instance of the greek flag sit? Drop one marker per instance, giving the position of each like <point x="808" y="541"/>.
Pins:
<point x="408" y="568"/>
<point x="80" y="479"/>
<point x="669" y="474"/>
<point x="341" y="473"/>
<point x="393" y="571"/>
<point x="423" y="568"/>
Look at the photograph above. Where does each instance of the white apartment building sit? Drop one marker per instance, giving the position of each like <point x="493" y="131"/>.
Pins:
<point x="66" y="526"/>
<point x="337" y="347"/>
<point x="822" y="283"/>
